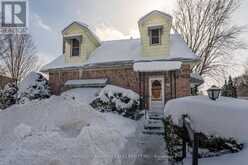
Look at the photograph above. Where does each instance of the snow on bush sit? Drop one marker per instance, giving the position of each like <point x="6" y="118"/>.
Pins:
<point x="225" y="117"/>
<point x="8" y="95"/>
<point x="65" y="130"/>
<point x="33" y="86"/>
<point x="113" y="98"/>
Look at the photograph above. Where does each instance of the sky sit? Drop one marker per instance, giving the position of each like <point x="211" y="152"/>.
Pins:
<point x="110" y="19"/>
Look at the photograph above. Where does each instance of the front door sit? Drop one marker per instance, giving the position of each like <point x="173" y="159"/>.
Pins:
<point x="156" y="93"/>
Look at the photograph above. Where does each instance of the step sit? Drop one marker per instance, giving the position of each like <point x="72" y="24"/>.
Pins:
<point x="160" y="133"/>
<point x="155" y="118"/>
<point x="153" y="127"/>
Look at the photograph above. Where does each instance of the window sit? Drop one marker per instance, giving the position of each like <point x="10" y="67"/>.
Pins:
<point x="75" y="47"/>
<point x="155" y="36"/>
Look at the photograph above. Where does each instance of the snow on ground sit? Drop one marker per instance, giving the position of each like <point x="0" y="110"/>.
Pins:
<point x="226" y="117"/>
<point x="62" y="130"/>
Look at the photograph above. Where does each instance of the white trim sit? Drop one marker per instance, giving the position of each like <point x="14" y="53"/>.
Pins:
<point x="160" y="78"/>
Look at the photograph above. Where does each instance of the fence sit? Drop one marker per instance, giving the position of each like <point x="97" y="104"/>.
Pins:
<point x="193" y="136"/>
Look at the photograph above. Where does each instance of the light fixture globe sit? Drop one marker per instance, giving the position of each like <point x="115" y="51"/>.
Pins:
<point x="214" y="92"/>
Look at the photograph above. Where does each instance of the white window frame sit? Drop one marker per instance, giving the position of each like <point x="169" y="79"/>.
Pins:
<point x="159" y="35"/>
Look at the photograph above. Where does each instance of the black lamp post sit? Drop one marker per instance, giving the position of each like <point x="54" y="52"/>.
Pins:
<point x="214" y="92"/>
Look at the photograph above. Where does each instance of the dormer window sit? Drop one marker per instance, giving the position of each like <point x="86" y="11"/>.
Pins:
<point x="75" y="47"/>
<point x="155" y="35"/>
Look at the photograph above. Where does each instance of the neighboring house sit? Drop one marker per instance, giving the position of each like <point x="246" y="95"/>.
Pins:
<point x="4" y="80"/>
<point x="157" y="66"/>
<point x="241" y="83"/>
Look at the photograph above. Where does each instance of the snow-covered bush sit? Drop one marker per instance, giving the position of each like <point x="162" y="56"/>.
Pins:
<point x="113" y="98"/>
<point x="8" y="95"/>
<point x="173" y="138"/>
<point x="209" y="118"/>
<point x="33" y="86"/>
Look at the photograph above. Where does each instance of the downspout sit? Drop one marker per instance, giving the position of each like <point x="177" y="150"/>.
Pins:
<point x="175" y="84"/>
<point x="140" y="106"/>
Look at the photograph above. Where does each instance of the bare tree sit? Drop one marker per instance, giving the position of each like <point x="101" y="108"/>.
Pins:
<point x="2" y="70"/>
<point x="205" y="26"/>
<point x="18" y="55"/>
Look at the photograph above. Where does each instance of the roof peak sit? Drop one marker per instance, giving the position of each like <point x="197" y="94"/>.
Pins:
<point x="155" y="12"/>
<point x="84" y="25"/>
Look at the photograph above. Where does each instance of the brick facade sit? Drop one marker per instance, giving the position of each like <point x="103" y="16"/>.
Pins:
<point x="4" y="80"/>
<point x="177" y="84"/>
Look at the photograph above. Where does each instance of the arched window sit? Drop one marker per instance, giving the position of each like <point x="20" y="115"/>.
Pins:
<point x="75" y="47"/>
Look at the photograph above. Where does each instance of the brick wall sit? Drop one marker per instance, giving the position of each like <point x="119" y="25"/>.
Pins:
<point x="127" y="78"/>
<point x="124" y="77"/>
<point x="57" y="79"/>
<point x="4" y="80"/>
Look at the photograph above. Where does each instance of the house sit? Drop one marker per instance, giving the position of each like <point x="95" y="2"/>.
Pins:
<point x="157" y="66"/>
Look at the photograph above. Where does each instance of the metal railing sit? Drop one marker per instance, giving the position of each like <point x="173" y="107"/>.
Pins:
<point x="189" y="133"/>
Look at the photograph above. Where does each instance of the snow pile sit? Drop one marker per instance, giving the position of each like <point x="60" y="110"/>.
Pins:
<point x="65" y="130"/>
<point x="33" y="86"/>
<point x="225" y="117"/>
<point x="115" y="98"/>
<point x="23" y="131"/>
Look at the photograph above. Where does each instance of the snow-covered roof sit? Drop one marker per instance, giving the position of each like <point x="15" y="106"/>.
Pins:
<point x="59" y="63"/>
<point x="87" y="82"/>
<point x="128" y="50"/>
<point x="155" y="12"/>
<point x="157" y="66"/>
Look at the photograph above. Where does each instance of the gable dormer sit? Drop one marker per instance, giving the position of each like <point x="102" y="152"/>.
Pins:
<point x="155" y="30"/>
<point x="78" y="43"/>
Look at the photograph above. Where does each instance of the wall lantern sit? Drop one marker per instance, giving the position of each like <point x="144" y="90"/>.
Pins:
<point x="214" y="92"/>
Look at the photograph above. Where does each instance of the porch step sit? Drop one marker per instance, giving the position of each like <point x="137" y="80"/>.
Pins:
<point x="155" y="117"/>
<point x="153" y="132"/>
<point x="153" y="124"/>
<point x="153" y="127"/>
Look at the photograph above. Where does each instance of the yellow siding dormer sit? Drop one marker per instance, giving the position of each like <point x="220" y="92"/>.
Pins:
<point x="155" y="20"/>
<point x="88" y="42"/>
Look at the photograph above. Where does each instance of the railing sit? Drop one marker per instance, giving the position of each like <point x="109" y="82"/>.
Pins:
<point x="193" y="136"/>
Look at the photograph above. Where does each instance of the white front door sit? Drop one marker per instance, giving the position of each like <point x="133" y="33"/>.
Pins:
<point x="156" y="93"/>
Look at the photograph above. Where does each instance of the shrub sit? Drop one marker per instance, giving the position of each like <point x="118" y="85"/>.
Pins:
<point x="8" y="95"/>
<point x="33" y="86"/>
<point x="113" y="98"/>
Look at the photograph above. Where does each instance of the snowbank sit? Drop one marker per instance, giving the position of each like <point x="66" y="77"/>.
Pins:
<point x="62" y="130"/>
<point x="226" y="117"/>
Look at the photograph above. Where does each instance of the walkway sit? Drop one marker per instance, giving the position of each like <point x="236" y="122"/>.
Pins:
<point x="150" y="142"/>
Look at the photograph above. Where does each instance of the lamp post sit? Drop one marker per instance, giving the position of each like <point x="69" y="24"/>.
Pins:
<point x="214" y="92"/>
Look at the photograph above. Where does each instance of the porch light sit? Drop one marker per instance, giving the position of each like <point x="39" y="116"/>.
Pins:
<point x="214" y="92"/>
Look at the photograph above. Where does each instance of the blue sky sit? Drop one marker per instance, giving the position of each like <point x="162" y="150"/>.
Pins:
<point x="110" y="19"/>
